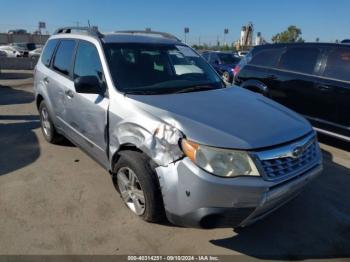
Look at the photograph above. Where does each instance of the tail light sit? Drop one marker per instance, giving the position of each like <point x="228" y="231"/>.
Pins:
<point x="236" y="70"/>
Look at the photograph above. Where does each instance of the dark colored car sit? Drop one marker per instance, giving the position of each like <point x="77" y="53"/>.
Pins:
<point x="310" y="78"/>
<point x="18" y="31"/>
<point x="223" y="62"/>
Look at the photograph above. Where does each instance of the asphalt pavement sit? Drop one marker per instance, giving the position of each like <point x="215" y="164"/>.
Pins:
<point x="54" y="199"/>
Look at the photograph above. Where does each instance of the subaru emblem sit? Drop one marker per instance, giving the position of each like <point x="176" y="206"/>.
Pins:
<point x="297" y="151"/>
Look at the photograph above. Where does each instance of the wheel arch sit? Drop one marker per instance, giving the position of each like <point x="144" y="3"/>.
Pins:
<point x="122" y="148"/>
<point x="39" y="99"/>
<point x="129" y="147"/>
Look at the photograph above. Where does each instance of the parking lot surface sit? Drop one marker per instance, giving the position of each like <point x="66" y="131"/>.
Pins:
<point x="54" y="199"/>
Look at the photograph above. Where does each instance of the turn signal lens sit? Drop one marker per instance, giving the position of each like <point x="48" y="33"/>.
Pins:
<point x="189" y="149"/>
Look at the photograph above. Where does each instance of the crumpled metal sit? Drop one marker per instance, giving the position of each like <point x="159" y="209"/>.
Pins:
<point x="159" y="141"/>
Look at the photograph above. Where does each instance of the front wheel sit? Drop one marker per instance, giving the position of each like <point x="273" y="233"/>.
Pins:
<point x="137" y="183"/>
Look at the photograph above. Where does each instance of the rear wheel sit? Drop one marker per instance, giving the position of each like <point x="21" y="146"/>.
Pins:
<point x="138" y="186"/>
<point x="47" y="126"/>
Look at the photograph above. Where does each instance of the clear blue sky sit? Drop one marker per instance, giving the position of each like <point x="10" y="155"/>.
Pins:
<point x="328" y="20"/>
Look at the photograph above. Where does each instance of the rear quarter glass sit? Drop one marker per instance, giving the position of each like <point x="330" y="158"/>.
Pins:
<point x="48" y="51"/>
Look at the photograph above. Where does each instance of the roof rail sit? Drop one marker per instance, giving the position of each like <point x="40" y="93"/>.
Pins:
<point x="149" y="32"/>
<point x="93" y="31"/>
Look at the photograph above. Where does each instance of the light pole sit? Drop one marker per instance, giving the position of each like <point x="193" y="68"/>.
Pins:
<point x="41" y="25"/>
<point x="225" y="33"/>
<point x="186" y="31"/>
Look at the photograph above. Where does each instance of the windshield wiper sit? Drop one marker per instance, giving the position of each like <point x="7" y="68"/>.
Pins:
<point x="160" y="91"/>
<point x="141" y="92"/>
<point x="195" y="88"/>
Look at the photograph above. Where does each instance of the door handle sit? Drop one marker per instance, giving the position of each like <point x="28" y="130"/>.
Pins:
<point x="46" y="80"/>
<point x="324" y="87"/>
<point x="69" y="93"/>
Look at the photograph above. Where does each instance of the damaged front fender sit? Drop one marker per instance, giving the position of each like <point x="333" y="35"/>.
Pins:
<point x="159" y="141"/>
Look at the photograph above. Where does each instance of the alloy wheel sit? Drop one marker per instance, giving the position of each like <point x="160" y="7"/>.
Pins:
<point x="131" y="191"/>
<point x="45" y="122"/>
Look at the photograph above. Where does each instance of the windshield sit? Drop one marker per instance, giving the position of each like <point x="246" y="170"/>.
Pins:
<point x="31" y="46"/>
<point x="20" y="46"/>
<point x="228" y="58"/>
<point x="155" y="69"/>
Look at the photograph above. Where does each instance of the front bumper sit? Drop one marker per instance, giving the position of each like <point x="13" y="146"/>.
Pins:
<point x="193" y="197"/>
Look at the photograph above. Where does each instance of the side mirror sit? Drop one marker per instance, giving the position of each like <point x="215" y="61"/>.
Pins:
<point x="88" y="85"/>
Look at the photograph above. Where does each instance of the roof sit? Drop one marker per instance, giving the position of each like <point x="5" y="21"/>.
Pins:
<point x="298" y="44"/>
<point x="132" y="38"/>
<point x="129" y="36"/>
<point x="218" y="52"/>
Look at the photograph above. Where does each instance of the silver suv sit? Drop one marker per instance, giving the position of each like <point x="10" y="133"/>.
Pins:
<point x="177" y="141"/>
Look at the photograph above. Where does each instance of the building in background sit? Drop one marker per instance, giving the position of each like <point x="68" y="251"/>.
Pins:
<point x="246" y="39"/>
<point x="259" y="40"/>
<point x="7" y="38"/>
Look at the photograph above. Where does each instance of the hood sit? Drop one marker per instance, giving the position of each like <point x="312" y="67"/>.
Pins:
<point x="227" y="118"/>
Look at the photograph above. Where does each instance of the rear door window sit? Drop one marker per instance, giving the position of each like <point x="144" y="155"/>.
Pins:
<point x="64" y="57"/>
<point x="338" y="64"/>
<point x="48" y="51"/>
<point x="267" y="57"/>
<point x="213" y="58"/>
<point x="300" y="59"/>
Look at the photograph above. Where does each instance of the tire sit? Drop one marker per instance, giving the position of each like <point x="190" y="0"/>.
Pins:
<point x="134" y="163"/>
<point x="226" y="76"/>
<point x="47" y="126"/>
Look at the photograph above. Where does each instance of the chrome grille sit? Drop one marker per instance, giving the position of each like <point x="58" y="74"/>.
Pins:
<point x="286" y="164"/>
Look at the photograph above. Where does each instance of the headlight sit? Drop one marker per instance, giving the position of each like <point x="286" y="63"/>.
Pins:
<point x="220" y="162"/>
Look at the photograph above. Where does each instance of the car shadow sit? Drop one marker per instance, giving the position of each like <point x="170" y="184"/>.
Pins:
<point x="11" y="96"/>
<point x="65" y="143"/>
<point x="316" y="224"/>
<point x="19" y="144"/>
<point x="14" y="75"/>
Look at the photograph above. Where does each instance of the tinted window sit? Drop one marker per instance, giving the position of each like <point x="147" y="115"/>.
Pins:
<point x="63" y="57"/>
<point x="206" y="56"/>
<point x="31" y="46"/>
<point x="87" y="61"/>
<point x="213" y="57"/>
<point x="228" y="58"/>
<point x="267" y="57"/>
<point x="338" y="64"/>
<point x="48" y="51"/>
<point x="300" y="59"/>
